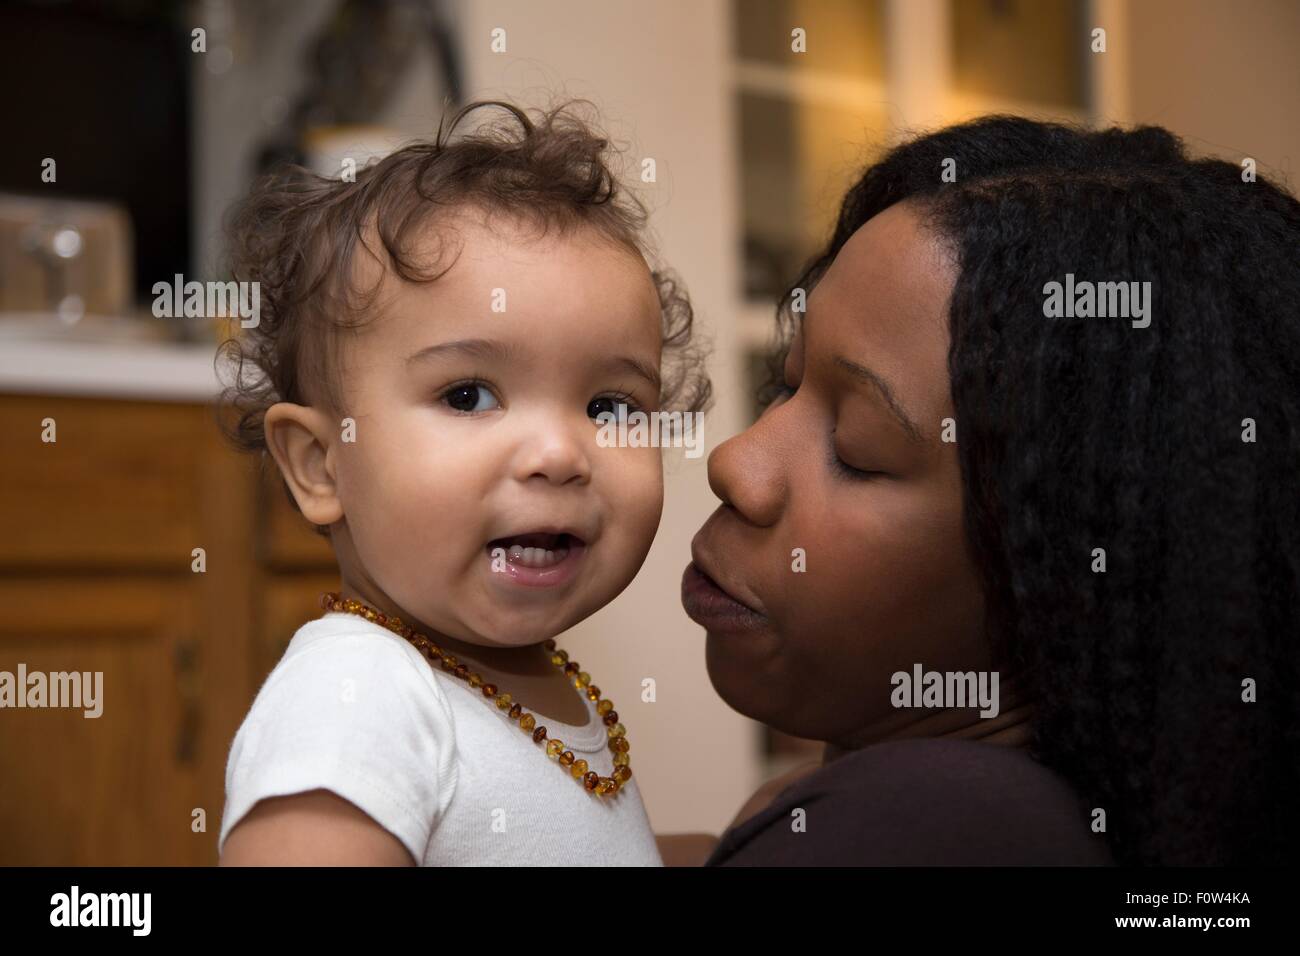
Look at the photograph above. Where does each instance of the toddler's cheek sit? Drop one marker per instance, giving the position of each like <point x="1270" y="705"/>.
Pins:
<point x="638" y="511"/>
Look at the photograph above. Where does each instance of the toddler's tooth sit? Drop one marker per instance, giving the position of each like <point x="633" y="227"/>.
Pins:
<point x="548" y="556"/>
<point x="516" y="551"/>
<point x="561" y="555"/>
<point x="530" y="555"/>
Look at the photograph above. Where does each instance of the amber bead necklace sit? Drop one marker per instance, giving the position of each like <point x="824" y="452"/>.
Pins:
<point x="590" y="780"/>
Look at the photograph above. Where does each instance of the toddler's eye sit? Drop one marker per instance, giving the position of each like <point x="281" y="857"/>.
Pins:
<point x="470" y="397"/>
<point x="615" y="405"/>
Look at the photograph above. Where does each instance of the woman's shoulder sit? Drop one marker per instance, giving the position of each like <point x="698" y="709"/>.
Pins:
<point x="921" y="802"/>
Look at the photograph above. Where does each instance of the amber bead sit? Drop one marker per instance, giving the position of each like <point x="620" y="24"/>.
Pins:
<point x="539" y="735"/>
<point x="489" y="690"/>
<point x="604" y="707"/>
<point x="571" y="668"/>
<point x="623" y="773"/>
<point x="607" y="786"/>
<point x="611" y="718"/>
<point x="503" y="701"/>
<point x="618" y="730"/>
<point x="559" y="658"/>
<point x="621" y="760"/>
<point x="583" y="679"/>
<point x="515" y="711"/>
<point x="590" y="779"/>
<point x="619" y="745"/>
<point x="549" y="644"/>
<point x="554" y="747"/>
<point x="527" y="722"/>
<point x="462" y="671"/>
<point x="566" y="758"/>
<point x="579" y="768"/>
<point x="593" y="692"/>
<point x="475" y="680"/>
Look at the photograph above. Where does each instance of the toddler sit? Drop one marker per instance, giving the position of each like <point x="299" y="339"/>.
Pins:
<point x="437" y="341"/>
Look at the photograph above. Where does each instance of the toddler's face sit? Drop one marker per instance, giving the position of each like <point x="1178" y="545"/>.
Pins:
<point x="475" y="495"/>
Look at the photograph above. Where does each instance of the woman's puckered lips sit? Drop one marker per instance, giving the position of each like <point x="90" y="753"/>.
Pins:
<point x="710" y="593"/>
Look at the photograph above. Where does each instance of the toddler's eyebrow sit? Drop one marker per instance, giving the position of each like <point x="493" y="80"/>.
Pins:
<point x="475" y="348"/>
<point x="489" y="349"/>
<point x="637" y="367"/>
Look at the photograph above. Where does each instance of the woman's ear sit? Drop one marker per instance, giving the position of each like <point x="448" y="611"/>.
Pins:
<point x="300" y="440"/>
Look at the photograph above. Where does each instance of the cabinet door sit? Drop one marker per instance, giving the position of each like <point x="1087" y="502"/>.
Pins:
<point x="121" y="788"/>
<point x="119" y="487"/>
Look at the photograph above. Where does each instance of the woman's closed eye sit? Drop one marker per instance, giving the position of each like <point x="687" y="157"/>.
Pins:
<point x="845" y="470"/>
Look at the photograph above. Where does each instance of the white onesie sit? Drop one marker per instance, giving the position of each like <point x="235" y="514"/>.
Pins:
<point x="355" y="709"/>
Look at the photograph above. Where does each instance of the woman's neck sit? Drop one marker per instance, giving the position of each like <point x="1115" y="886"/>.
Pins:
<point x="1011" y="727"/>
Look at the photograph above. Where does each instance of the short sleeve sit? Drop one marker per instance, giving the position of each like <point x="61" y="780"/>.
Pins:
<point x="360" y="715"/>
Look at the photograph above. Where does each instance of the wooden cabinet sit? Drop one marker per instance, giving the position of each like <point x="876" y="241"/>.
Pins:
<point x="98" y="536"/>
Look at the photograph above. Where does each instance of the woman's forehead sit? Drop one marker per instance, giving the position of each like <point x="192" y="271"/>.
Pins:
<point x="885" y="296"/>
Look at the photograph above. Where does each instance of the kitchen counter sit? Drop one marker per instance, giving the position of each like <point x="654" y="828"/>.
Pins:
<point x="122" y="360"/>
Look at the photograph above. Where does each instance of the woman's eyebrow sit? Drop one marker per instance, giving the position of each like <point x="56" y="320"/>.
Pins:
<point x="864" y="374"/>
<point x="475" y="348"/>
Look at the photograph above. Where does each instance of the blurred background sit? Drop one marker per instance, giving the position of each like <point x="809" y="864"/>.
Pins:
<point x="131" y="125"/>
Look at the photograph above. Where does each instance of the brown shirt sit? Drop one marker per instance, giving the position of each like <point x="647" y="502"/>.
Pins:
<point x="925" y="803"/>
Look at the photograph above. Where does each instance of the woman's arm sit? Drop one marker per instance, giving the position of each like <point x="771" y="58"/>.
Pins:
<point x="692" y="849"/>
<point x="685" y="849"/>
<point x="316" y="828"/>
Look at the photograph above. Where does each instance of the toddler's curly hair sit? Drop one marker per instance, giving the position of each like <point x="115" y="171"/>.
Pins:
<point x="296" y="234"/>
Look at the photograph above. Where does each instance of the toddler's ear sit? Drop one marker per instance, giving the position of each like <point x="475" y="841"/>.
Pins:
<point x="300" y="440"/>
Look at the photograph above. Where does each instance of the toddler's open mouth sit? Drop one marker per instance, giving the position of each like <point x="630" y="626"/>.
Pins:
<point x="535" y="549"/>
<point x="536" y="559"/>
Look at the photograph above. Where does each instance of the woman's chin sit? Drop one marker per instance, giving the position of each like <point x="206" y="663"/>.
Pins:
<point x="743" y="683"/>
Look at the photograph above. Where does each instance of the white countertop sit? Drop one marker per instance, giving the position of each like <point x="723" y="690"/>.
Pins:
<point x="136" y="370"/>
<point x="105" y="356"/>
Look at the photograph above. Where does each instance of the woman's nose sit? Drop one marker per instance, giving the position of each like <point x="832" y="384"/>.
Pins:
<point x="747" y="471"/>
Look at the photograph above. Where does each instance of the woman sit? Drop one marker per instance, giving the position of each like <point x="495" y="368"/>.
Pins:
<point x="988" y="457"/>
